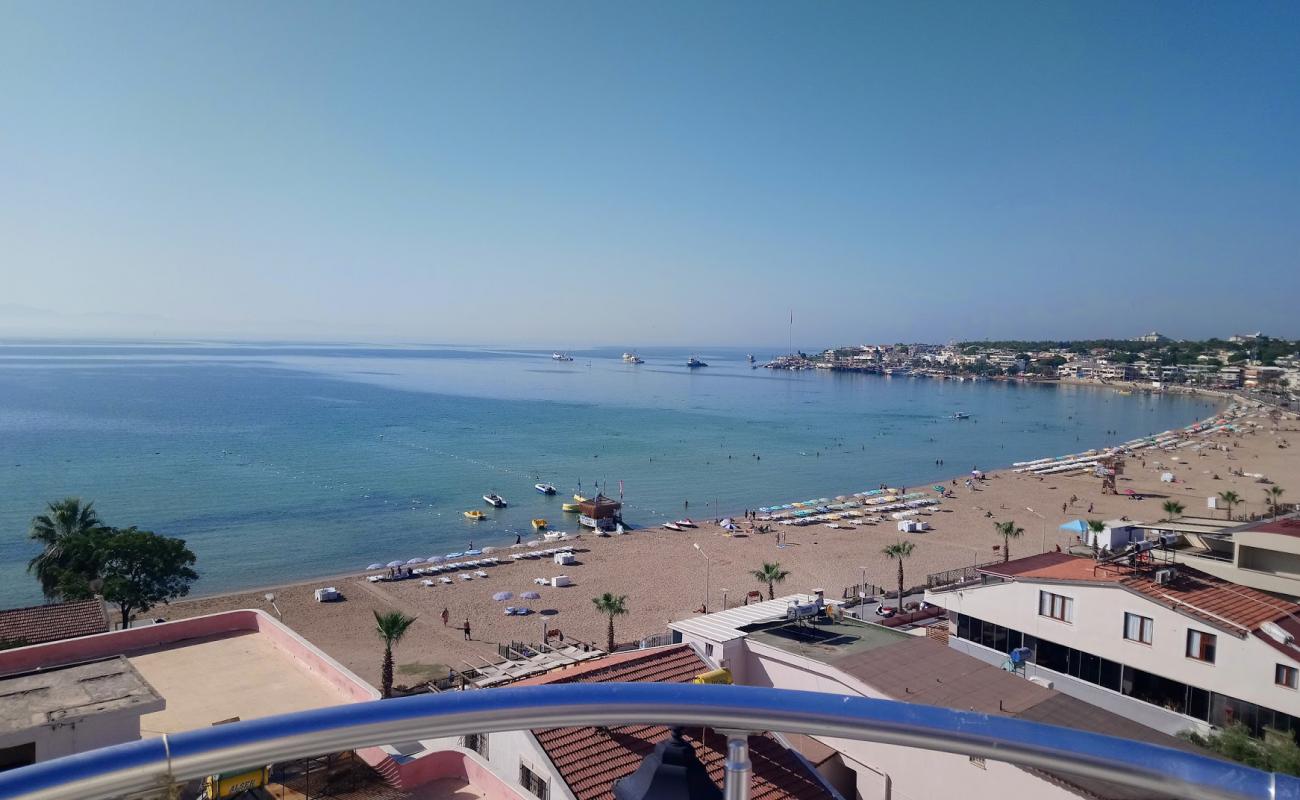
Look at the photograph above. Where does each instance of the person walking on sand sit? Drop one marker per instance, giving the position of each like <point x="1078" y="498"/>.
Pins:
<point x="467" y="629"/>
<point x="446" y="615"/>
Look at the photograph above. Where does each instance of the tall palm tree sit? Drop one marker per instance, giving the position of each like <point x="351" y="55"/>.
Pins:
<point x="1096" y="526"/>
<point x="1173" y="508"/>
<point x="898" y="552"/>
<point x="64" y="522"/>
<point x="771" y="574"/>
<point x="612" y="605"/>
<point x="1274" y="495"/>
<point x="390" y="627"/>
<point x="1231" y="498"/>
<point x="1008" y="531"/>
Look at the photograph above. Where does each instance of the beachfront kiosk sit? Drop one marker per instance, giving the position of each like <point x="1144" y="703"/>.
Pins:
<point x="600" y="513"/>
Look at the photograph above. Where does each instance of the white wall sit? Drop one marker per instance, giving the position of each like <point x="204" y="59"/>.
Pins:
<point x="505" y="751"/>
<point x="892" y="772"/>
<point x="78" y="736"/>
<point x="1243" y="666"/>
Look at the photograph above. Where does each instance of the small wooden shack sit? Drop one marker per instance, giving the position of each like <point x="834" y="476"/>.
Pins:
<point x="600" y="513"/>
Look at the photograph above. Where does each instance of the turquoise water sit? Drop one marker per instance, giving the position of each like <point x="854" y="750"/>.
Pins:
<point x="280" y="463"/>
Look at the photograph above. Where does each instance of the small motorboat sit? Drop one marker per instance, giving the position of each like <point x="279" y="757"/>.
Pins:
<point x="571" y="508"/>
<point x="750" y="358"/>
<point x="636" y="359"/>
<point x="685" y="523"/>
<point x="561" y="357"/>
<point x="495" y="500"/>
<point x="539" y="523"/>
<point x="475" y="515"/>
<point x="672" y="526"/>
<point x="544" y="488"/>
<point x="961" y="415"/>
<point x="694" y="362"/>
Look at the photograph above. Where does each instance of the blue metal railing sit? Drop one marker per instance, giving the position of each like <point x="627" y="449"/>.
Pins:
<point x="152" y="764"/>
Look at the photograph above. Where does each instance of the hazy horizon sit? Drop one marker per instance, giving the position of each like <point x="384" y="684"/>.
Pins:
<point x="671" y="175"/>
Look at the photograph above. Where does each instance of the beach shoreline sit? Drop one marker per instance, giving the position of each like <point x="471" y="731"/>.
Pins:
<point x="664" y="575"/>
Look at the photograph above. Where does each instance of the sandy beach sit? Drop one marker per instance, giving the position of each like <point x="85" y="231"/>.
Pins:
<point x="663" y="575"/>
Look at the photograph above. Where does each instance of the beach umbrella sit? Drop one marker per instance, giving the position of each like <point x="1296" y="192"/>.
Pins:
<point x="396" y="563"/>
<point x="375" y="566"/>
<point x="1075" y="526"/>
<point x="499" y="596"/>
<point x="435" y="559"/>
<point x="726" y="522"/>
<point x="530" y="596"/>
<point x="414" y="561"/>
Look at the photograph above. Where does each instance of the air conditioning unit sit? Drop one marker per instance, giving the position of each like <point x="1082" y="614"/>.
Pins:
<point x="1043" y="682"/>
<point x="1165" y="576"/>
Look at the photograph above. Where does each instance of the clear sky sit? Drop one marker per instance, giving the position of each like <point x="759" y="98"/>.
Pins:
<point x="689" y="173"/>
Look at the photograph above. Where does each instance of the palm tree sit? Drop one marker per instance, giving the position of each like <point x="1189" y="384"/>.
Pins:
<point x="1231" y="498"/>
<point x="612" y="605"/>
<point x="65" y="521"/>
<point x="1173" y="508"/>
<point x="1274" y="494"/>
<point x="391" y="627"/>
<point x="1096" y="526"/>
<point x="771" y="574"/>
<point x="899" y="551"/>
<point x="1009" y="531"/>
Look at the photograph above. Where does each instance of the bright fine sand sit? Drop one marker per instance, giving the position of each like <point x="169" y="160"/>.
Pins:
<point x="663" y="576"/>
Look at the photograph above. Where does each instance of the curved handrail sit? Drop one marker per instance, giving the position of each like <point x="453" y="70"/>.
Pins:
<point x="151" y="763"/>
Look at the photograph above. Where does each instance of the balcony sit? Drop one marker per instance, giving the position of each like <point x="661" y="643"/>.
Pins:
<point x="150" y="766"/>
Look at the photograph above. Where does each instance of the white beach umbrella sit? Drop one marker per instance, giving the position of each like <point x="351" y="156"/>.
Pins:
<point x="375" y="566"/>
<point x="435" y="559"/>
<point x="396" y="563"/>
<point x="530" y="596"/>
<point x="414" y="561"/>
<point x="499" y="596"/>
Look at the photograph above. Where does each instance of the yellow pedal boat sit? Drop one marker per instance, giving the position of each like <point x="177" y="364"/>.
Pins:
<point x="539" y="524"/>
<point x="572" y="508"/>
<point x="475" y="515"/>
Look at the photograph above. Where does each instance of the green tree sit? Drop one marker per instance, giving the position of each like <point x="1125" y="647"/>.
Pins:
<point x="898" y="552"/>
<point x="1274" y="497"/>
<point x="1096" y="526"/>
<point x="142" y="569"/>
<point x="771" y="574"/>
<point x="1273" y="754"/>
<point x="58" y="530"/>
<point x="611" y="605"/>
<point x="1173" y="508"/>
<point x="1008" y="531"/>
<point x="390" y="627"/>
<point x="1230" y="498"/>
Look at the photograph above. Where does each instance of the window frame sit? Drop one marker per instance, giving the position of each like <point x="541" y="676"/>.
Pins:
<point x="1146" y="625"/>
<point x="531" y="782"/>
<point x="1052" y="598"/>
<point x="1212" y="649"/>
<point x="1292" y="672"/>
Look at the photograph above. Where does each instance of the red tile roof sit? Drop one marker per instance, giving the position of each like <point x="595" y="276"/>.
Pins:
<point x="40" y="624"/>
<point x="1214" y="601"/>
<point x="591" y="759"/>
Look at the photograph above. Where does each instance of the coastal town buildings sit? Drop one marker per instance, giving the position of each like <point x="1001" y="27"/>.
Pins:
<point x="1155" y="641"/>
<point x="1263" y="555"/>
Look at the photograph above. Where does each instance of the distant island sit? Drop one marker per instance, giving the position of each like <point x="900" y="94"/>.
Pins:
<point x="1253" y="362"/>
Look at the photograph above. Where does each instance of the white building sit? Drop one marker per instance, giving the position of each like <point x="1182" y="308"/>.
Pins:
<point x="1162" y="644"/>
<point x="844" y="656"/>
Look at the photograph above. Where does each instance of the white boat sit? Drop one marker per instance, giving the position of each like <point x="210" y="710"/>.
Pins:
<point x="961" y="415"/>
<point x="633" y="358"/>
<point x="750" y="358"/>
<point x="495" y="500"/>
<point x="544" y="488"/>
<point x="671" y="526"/>
<point x="685" y="523"/>
<point x="561" y="357"/>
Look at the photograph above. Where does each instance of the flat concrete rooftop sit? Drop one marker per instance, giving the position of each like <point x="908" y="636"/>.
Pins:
<point x="219" y="678"/>
<point x="66" y="694"/>
<point x="827" y="641"/>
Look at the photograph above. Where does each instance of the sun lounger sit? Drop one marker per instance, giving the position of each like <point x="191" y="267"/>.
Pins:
<point x="481" y="574"/>
<point x="465" y="576"/>
<point x="542" y="581"/>
<point x="444" y="579"/>
<point x="374" y="578"/>
<point x="426" y="582"/>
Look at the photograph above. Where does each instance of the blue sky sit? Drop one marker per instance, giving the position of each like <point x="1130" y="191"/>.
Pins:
<point x="671" y="173"/>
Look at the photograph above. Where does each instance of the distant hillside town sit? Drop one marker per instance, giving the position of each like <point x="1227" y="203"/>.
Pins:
<point x="1253" y="361"/>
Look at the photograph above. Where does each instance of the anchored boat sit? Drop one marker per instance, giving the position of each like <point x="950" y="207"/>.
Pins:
<point x="475" y="515"/>
<point x="495" y="500"/>
<point x="544" y="488"/>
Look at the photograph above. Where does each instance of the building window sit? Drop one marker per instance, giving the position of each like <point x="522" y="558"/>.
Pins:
<point x="478" y="742"/>
<point x="1200" y="646"/>
<point x="1284" y="676"/>
<point x="1056" y="606"/>
<point x="533" y="782"/>
<point x="1137" y="628"/>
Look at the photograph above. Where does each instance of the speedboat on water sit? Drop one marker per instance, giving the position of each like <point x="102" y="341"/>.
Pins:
<point x="694" y="362"/>
<point x="561" y="357"/>
<point x="635" y="359"/>
<point x="495" y="500"/>
<point x="544" y="488"/>
<point x="961" y="415"/>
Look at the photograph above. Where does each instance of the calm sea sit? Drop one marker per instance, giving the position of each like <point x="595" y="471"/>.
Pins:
<point x="289" y="462"/>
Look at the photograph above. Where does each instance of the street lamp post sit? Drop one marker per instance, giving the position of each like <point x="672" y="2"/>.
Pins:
<point x="724" y="599"/>
<point x="270" y="598"/>
<point x="708" y="562"/>
<point x="1044" y="519"/>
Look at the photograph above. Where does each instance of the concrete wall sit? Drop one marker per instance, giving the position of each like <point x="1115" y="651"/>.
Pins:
<point x="461" y="764"/>
<point x="505" y="751"/>
<point x="65" y="738"/>
<point x="1243" y="666"/>
<point x="891" y="772"/>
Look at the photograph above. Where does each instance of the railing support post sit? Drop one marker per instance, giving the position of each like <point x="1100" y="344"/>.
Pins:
<point x="739" y="768"/>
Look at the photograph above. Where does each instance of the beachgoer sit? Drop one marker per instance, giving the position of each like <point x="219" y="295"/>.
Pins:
<point x="467" y="629"/>
<point x="1063" y="507"/>
<point x="519" y="539"/>
<point x="1090" y="508"/>
<point x="445" y="616"/>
